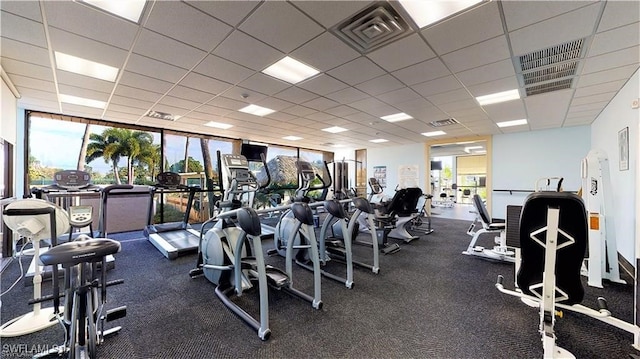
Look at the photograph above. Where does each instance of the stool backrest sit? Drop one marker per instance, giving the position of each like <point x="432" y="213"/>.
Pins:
<point x="572" y="242"/>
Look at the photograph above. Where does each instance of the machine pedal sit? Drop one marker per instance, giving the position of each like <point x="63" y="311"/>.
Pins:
<point x="116" y="313"/>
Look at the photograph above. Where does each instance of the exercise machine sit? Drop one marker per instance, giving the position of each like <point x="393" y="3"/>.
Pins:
<point x="488" y="225"/>
<point x="85" y="293"/>
<point x="416" y="223"/>
<point x="34" y="220"/>
<point x="602" y="261"/>
<point x="172" y="239"/>
<point x="553" y="239"/>
<point x="233" y="260"/>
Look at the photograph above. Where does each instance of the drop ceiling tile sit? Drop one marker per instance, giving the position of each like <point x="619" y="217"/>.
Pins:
<point x="551" y="106"/>
<point x="316" y="52"/>
<point x="82" y="92"/>
<point x="588" y="106"/>
<point x="128" y="105"/>
<point x="578" y="121"/>
<point x="86" y="21"/>
<point x="413" y="49"/>
<point x="612" y="59"/>
<point x="155" y="69"/>
<point x="70" y="78"/>
<point x="26" y="69"/>
<point x="331" y="15"/>
<point x="204" y="83"/>
<point x="223" y="70"/>
<point x="449" y="97"/>
<point x="38" y="94"/>
<point x="28" y="9"/>
<point x="178" y="103"/>
<point x="554" y="31"/>
<point x="39" y="104"/>
<point x="182" y="22"/>
<point x="379" y="85"/>
<point x="461" y="103"/>
<point x="471" y="27"/>
<point x="139" y="81"/>
<point x="613" y="86"/>
<point x="424" y="71"/>
<point x="81" y="111"/>
<point x="79" y="46"/>
<point x="506" y="111"/>
<point x="593" y="98"/>
<point x="341" y="111"/>
<point x="413" y="106"/>
<point x="481" y="54"/>
<point x="247" y="51"/>
<point x="618" y="13"/>
<point x="616" y="39"/>
<point x="504" y="84"/>
<point x="295" y="94"/>
<point x="284" y="117"/>
<point x="440" y="85"/>
<point x="357" y="71"/>
<point x="618" y="73"/>
<point x="299" y="110"/>
<point x="24" y="30"/>
<point x="347" y="95"/>
<point x="33" y="83"/>
<point x="123" y="117"/>
<point x="264" y="84"/>
<point x="187" y="93"/>
<point x="523" y="13"/>
<point x="163" y="48"/>
<point x="22" y="51"/>
<point x="230" y="12"/>
<point x="400" y="95"/>
<point x="206" y="111"/>
<point x="322" y="116"/>
<point x="176" y="111"/>
<point x="320" y="103"/>
<point x="494" y="71"/>
<point x="227" y="103"/>
<point x="322" y="84"/>
<point x="280" y="25"/>
<point x="274" y="103"/>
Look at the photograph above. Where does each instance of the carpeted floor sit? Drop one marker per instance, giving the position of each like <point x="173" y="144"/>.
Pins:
<point x="429" y="301"/>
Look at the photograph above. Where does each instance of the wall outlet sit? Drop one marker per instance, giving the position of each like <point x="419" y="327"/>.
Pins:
<point x="635" y="103"/>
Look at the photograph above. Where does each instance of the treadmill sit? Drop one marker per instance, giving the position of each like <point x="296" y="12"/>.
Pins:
<point x="172" y="239"/>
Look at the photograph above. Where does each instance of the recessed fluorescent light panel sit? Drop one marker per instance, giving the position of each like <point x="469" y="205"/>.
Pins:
<point x="434" y="133"/>
<point x="426" y="13"/>
<point x="396" y="117"/>
<point x="74" y="100"/>
<point x="471" y="148"/>
<point x="512" y="123"/>
<point x="290" y="70"/>
<point x="498" y="97"/>
<point x="130" y="9"/>
<point x="256" y="110"/>
<point x="292" y="138"/>
<point x="220" y="125"/>
<point x="85" y="67"/>
<point x="379" y="140"/>
<point x="334" y="129"/>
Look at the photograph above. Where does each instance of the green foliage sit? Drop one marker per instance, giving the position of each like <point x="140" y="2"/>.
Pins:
<point x="194" y="166"/>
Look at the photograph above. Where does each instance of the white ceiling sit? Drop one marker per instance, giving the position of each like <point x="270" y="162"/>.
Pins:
<point x="201" y="60"/>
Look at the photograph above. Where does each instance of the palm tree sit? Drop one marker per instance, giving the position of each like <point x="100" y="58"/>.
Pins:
<point x="83" y="148"/>
<point x="117" y="143"/>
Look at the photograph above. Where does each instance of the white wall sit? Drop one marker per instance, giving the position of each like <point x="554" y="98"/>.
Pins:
<point x="395" y="158"/>
<point x="520" y="159"/>
<point x="604" y="135"/>
<point x="8" y="114"/>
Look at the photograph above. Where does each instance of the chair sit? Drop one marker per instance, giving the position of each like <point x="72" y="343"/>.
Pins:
<point x="553" y="238"/>
<point x="500" y="251"/>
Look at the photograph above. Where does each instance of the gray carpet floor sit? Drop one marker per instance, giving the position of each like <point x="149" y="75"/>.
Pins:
<point x="429" y="301"/>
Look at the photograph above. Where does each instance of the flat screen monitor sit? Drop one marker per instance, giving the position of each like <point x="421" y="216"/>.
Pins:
<point x="253" y="152"/>
<point x="436" y="165"/>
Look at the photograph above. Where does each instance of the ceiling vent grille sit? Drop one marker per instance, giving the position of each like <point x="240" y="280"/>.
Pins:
<point x="161" y="115"/>
<point x="550" y="73"/>
<point x="550" y="69"/>
<point x="548" y="87"/>
<point x="372" y="28"/>
<point x="442" y="123"/>
<point x="552" y="55"/>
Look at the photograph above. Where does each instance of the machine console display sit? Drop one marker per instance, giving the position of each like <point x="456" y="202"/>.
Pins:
<point x="236" y="161"/>
<point x="72" y="180"/>
<point x="168" y="179"/>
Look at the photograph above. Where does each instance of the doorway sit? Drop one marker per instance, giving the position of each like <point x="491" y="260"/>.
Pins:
<point x="459" y="170"/>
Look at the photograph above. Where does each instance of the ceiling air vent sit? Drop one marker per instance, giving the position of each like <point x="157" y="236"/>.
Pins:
<point x="550" y="69"/>
<point x="372" y="28"/>
<point x="161" y="115"/>
<point x="548" y="87"/>
<point x="442" y="123"/>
